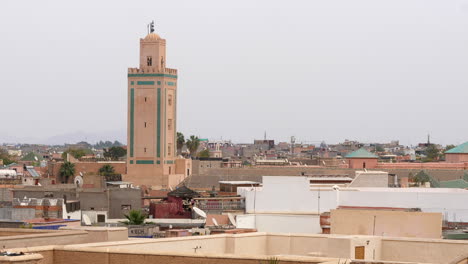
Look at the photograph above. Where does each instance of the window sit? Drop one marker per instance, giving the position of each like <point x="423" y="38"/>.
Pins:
<point x="169" y="147"/>
<point x="149" y="61"/>
<point x="145" y="99"/>
<point x="169" y="124"/>
<point x="101" y="218"/>
<point x="145" y="124"/>
<point x="169" y="170"/>
<point x="145" y="150"/>
<point x="169" y="99"/>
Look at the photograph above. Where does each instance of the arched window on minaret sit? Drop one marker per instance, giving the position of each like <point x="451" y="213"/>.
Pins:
<point x="149" y="61"/>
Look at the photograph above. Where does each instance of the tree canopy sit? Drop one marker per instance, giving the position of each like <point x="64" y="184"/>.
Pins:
<point x="77" y="153"/>
<point x="432" y="153"/>
<point x="135" y="217"/>
<point x="106" y="170"/>
<point x="5" y="157"/>
<point x="114" y="153"/>
<point x="66" y="171"/>
<point x="192" y="144"/>
<point x="180" y="141"/>
<point x="107" y="144"/>
<point x="204" y="154"/>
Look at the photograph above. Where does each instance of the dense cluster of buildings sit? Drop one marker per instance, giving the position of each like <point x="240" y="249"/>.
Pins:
<point x="241" y="203"/>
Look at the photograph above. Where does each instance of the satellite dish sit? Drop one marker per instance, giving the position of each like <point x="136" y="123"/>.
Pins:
<point x="199" y="212"/>
<point x="231" y="218"/>
<point x="215" y="222"/>
<point x="35" y="158"/>
<point x="86" y="220"/>
<point x="170" y="188"/>
<point x="78" y="181"/>
<point x="81" y="174"/>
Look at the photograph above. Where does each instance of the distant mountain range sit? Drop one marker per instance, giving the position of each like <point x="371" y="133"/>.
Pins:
<point x="70" y="138"/>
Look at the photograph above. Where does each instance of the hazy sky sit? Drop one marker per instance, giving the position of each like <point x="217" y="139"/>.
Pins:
<point x="366" y="70"/>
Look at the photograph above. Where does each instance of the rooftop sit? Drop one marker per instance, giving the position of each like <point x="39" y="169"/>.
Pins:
<point x="361" y="153"/>
<point x="460" y="149"/>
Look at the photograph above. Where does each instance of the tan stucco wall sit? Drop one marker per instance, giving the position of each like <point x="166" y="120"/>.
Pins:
<point x="71" y="235"/>
<point x="423" y="251"/>
<point x="387" y="223"/>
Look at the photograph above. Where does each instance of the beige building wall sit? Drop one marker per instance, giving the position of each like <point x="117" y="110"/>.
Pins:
<point x="152" y="118"/>
<point x="386" y="223"/>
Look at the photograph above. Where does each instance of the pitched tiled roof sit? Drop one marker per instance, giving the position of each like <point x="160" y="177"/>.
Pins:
<point x="361" y="153"/>
<point x="454" y="184"/>
<point x="463" y="148"/>
<point x="183" y="192"/>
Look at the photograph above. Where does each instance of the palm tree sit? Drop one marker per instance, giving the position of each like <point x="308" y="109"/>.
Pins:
<point x="66" y="170"/>
<point x="192" y="145"/>
<point x="135" y="217"/>
<point x="106" y="170"/>
<point x="180" y="142"/>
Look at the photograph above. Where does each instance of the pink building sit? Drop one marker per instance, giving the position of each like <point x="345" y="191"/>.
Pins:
<point x="361" y="159"/>
<point x="458" y="154"/>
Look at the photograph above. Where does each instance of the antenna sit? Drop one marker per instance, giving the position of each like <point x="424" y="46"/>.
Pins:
<point x="232" y="220"/>
<point x="199" y="212"/>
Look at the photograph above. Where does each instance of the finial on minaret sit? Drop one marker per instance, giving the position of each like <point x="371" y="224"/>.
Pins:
<point x="151" y="27"/>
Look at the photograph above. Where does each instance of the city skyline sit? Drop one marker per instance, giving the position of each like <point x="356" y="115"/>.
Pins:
<point x="317" y="71"/>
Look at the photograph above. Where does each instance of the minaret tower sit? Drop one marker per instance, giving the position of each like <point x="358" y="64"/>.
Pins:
<point x="152" y="100"/>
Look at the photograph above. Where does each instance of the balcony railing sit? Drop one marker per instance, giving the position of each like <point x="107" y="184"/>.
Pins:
<point x="220" y="205"/>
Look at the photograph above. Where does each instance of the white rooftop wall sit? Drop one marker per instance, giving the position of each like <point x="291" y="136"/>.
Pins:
<point x="293" y="195"/>
<point x="287" y="195"/>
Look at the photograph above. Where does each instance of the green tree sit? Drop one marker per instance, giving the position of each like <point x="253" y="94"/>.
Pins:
<point x="5" y="157"/>
<point x="66" y="171"/>
<point x="192" y="144"/>
<point x="432" y="153"/>
<point x="114" y="153"/>
<point x="421" y="177"/>
<point x="135" y="217"/>
<point x="76" y="153"/>
<point x="449" y="147"/>
<point x="106" y="170"/>
<point x="379" y="148"/>
<point x="180" y="142"/>
<point x="204" y="154"/>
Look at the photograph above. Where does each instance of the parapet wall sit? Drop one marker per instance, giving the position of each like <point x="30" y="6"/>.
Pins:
<point x="257" y="248"/>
